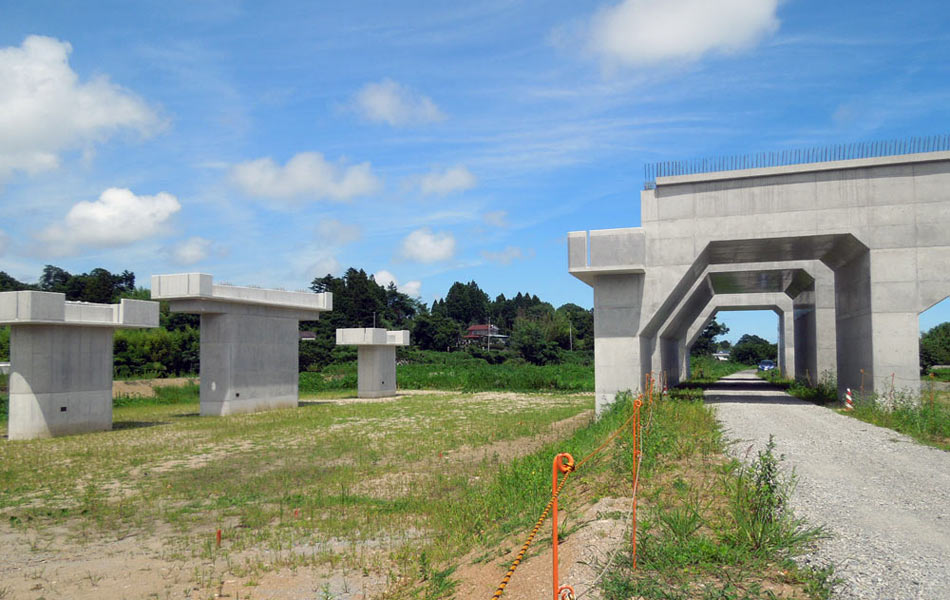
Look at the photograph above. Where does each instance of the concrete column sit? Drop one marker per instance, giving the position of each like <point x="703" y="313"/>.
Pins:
<point x="61" y="361"/>
<point x="617" y="301"/>
<point x="377" y="358"/>
<point x="814" y="322"/>
<point x="376" y="371"/>
<point x="249" y="340"/>
<point x="786" y="343"/>
<point x="248" y="362"/>
<point x="895" y="303"/>
<point x="853" y="324"/>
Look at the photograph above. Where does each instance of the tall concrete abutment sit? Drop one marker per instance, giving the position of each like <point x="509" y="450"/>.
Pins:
<point x="850" y="250"/>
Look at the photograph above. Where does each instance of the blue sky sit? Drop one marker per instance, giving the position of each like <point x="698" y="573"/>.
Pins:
<point x="428" y="142"/>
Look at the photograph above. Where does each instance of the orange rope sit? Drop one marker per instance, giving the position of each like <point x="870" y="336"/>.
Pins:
<point x="524" y="548"/>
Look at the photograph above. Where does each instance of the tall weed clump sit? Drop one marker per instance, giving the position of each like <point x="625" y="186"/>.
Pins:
<point x="759" y="495"/>
<point x="711" y="527"/>
<point x="926" y="419"/>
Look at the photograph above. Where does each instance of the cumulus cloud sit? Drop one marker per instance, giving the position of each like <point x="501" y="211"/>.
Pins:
<point x="193" y="250"/>
<point x="117" y="218"/>
<point x="337" y="233"/>
<point x="508" y="255"/>
<point x="390" y="102"/>
<point x="496" y="218"/>
<point x="410" y="288"/>
<point x="441" y="183"/>
<point x="422" y="245"/>
<point x="323" y="263"/>
<point x="45" y="109"/>
<point x="307" y="174"/>
<point x="648" y="32"/>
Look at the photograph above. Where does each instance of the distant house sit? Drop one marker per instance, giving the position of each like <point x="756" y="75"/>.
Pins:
<point x="484" y="334"/>
<point x="723" y="356"/>
<point x="308" y="336"/>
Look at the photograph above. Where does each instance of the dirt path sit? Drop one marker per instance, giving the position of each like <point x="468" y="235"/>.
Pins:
<point x="884" y="499"/>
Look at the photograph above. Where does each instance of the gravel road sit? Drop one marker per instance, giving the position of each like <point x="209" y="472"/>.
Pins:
<point x="884" y="498"/>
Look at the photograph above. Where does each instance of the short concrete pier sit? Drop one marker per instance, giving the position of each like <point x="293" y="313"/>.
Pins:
<point x="377" y="358"/>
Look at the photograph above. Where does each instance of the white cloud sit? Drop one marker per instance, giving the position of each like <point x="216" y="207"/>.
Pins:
<point x="322" y="263"/>
<point x="455" y="179"/>
<point x="422" y="245"/>
<point x="307" y="174"/>
<point x="496" y="218"/>
<point x="193" y="250"/>
<point x="648" y="32"/>
<point x="508" y="255"/>
<point x="45" y="109"/>
<point x="410" y="288"/>
<point x="336" y="233"/>
<point x="390" y="102"/>
<point x="117" y="218"/>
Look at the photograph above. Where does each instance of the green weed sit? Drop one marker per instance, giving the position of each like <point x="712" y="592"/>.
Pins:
<point x="926" y="419"/>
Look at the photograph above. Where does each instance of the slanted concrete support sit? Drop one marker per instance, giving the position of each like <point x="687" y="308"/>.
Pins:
<point x="376" y="353"/>
<point x="249" y="340"/>
<point x="61" y="361"/>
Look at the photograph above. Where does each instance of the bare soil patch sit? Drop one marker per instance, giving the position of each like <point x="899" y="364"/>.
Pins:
<point x="145" y="388"/>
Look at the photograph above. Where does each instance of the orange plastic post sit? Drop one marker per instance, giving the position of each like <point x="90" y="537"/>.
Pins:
<point x="559" y="467"/>
<point x="636" y="471"/>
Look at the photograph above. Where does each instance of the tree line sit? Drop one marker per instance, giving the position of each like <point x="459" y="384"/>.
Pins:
<point x="532" y="330"/>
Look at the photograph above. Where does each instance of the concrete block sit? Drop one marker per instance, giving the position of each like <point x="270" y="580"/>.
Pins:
<point x="577" y="249"/>
<point x="181" y="285"/>
<point x="610" y="247"/>
<point x="27" y="306"/>
<point x="397" y="338"/>
<point x="138" y="313"/>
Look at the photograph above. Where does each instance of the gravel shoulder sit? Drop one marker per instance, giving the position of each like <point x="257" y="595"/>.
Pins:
<point x="884" y="499"/>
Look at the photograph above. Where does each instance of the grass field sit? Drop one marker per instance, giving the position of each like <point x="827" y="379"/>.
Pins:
<point x="470" y="375"/>
<point x="332" y="485"/>
<point x="386" y="498"/>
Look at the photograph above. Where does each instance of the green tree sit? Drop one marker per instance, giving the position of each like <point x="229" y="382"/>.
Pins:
<point x="527" y="339"/>
<point x="935" y="347"/>
<point x="435" y="332"/>
<point x="706" y="342"/>
<point x="751" y="349"/>
<point x="466" y="303"/>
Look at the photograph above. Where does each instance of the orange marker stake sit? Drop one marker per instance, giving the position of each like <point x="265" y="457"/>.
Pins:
<point x="636" y="471"/>
<point x="559" y="467"/>
<point x="217" y="538"/>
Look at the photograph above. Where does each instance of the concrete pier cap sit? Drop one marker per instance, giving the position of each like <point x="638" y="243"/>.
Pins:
<point x="376" y="354"/>
<point x="61" y="360"/>
<point x="249" y="339"/>
<point x="876" y="230"/>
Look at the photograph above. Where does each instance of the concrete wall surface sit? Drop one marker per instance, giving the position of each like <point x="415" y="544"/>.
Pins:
<point x="879" y="227"/>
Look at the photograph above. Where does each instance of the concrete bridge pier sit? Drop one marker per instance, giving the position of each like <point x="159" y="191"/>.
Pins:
<point x="61" y="361"/>
<point x="249" y="340"/>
